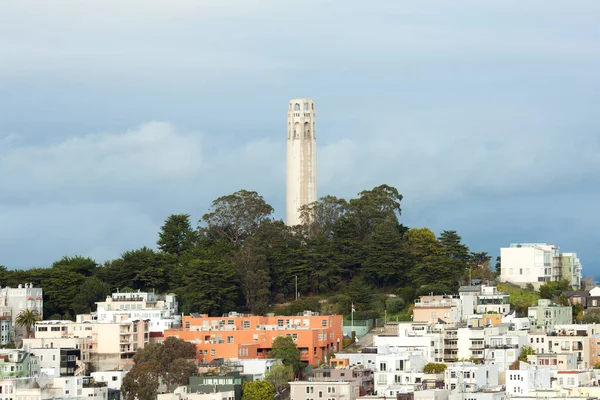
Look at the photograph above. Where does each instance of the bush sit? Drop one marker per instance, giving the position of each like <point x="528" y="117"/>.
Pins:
<point x="407" y="294"/>
<point x="434" y="368"/>
<point x="394" y="304"/>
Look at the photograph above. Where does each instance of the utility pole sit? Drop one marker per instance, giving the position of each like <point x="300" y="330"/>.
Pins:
<point x="296" y="287"/>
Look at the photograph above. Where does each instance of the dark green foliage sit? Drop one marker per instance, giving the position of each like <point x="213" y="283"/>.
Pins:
<point x="258" y="390"/>
<point x="554" y="289"/>
<point x="176" y="236"/>
<point x="240" y="259"/>
<point x="285" y="349"/>
<point x="591" y="317"/>
<point x="394" y="304"/>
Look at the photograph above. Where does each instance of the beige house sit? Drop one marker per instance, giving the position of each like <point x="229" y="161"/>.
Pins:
<point x="436" y="308"/>
<point x="334" y="389"/>
<point x="109" y="345"/>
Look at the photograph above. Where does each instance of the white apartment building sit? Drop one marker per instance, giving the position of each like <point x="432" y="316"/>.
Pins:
<point x="113" y="379"/>
<point x="162" y="311"/>
<point x="110" y="345"/>
<point x="443" y="308"/>
<point x="485" y="299"/>
<point x="503" y="346"/>
<point x="538" y="263"/>
<point x="12" y="302"/>
<point x="520" y="382"/>
<point x="467" y="376"/>
<point x="398" y="372"/>
<point x="338" y="390"/>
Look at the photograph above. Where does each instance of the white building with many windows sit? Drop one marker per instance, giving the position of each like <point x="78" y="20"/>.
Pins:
<point x="161" y="311"/>
<point x="538" y="263"/>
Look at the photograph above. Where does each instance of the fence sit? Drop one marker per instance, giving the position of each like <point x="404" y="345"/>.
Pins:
<point x="360" y="327"/>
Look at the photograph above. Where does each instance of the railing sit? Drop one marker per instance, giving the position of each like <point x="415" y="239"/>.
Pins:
<point x="501" y="346"/>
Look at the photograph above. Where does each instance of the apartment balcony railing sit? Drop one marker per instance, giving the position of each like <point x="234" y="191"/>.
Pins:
<point x="501" y="346"/>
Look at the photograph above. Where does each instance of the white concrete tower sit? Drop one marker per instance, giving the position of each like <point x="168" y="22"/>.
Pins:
<point x="301" y="170"/>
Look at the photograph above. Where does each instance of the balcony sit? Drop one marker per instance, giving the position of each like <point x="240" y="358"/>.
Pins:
<point x="501" y="346"/>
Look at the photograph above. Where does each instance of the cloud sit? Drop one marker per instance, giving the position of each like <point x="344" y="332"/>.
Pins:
<point x="93" y="165"/>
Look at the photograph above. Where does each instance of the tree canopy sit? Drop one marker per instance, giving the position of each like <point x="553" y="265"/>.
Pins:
<point x="239" y="258"/>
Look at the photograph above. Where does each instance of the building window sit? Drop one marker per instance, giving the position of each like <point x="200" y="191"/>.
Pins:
<point x="230" y="339"/>
<point x="279" y="322"/>
<point x="246" y="324"/>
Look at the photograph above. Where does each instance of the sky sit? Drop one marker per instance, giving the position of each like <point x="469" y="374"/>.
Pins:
<point x="115" y="114"/>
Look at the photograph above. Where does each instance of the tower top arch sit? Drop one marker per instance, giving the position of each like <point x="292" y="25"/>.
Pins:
<point x="302" y="105"/>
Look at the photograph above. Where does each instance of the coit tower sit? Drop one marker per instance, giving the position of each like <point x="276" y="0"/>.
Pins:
<point x="301" y="170"/>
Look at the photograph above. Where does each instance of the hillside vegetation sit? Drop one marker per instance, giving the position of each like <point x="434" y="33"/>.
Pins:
<point x="239" y="258"/>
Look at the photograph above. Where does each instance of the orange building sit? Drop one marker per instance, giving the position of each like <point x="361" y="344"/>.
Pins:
<point x="249" y="336"/>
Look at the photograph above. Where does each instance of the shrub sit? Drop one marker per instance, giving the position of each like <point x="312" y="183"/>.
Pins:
<point x="394" y="304"/>
<point x="434" y="368"/>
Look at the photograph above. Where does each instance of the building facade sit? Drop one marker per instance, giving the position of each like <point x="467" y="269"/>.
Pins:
<point x="161" y="311"/>
<point x="12" y="302"/>
<point x="301" y="168"/>
<point x="248" y="336"/>
<point x="537" y="264"/>
<point x="546" y="315"/>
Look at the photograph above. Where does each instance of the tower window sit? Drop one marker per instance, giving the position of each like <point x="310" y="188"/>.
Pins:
<point x="297" y="107"/>
<point x="305" y="106"/>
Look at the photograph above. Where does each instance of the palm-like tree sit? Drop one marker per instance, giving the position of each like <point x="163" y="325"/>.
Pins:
<point x="27" y="319"/>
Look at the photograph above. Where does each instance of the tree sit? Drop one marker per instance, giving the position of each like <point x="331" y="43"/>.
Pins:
<point x="285" y="349"/>
<point x="171" y="361"/>
<point x="178" y="373"/>
<point x="141" y="382"/>
<point x="279" y="376"/>
<point x="591" y="317"/>
<point x="258" y="390"/>
<point x="91" y="291"/>
<point x="554" y="289"/>
<point x="78" y="264"/>
<point x="394" y="304"/>
<point x="253" y="274"/>
<point x="319" y="218"/>
<point x="27" y="319"/>
<point x="236" y="217"/>
<point x="526" y="351"/>
<point x="176" y="236"/>
<point x="434" y="368"/>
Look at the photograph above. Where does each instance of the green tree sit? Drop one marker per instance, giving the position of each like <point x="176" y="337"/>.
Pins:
<point x="591" y="316"/>
<point x="178" y="373"/>
<point x="319" y="218"/>
<point x="394" y="304"/>
<point x="526" y="351"/>
<point x="141" y="382"/>
<point x="91" y="291"/>
<point x="554" y="289"/>
<point x="279" y="376"/>
<point x="176" y="236"/>
<point x="258" y="390"/>
<point x="285" y="349"/>
<point x="434" y="368"/>
<point x="385" y="263"/>
<point x="26" y="319"/>
<point x="78" y="264"/>
<point x="253" y="274"/>
<point x="236" y="217"/>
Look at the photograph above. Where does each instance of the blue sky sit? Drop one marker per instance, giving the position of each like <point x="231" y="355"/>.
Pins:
<point x="115" y="114"/>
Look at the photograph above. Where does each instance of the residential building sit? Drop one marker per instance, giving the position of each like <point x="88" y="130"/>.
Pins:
<point x="486" y="299"/>
<point x="12" y="302"/>
<point x="302" y="390"/>
<point x="441" y="308"/>
<point x="573" y="339"/>
<point x="587" y="298"/>
<point x="247" y="336"/>
<point x="470" y="376"/>
<point x="161" y="311"/>
<point x="113" y="379"/>
<point x="359" y="374"/>
<point x="503" y="345"/>
<point x="496" y="394"/>
<point x="538" y="263"/>
<point x="546" y="315"/>
<point x="60" y="361"/>
<point x="558" y="361"/>
<point x="78" y="343"/>
<point x="110" y="345"/>
<point x="17" y="363"/>
<point x="222" y="382"/>
<point x="520" y="382"/>
<point x="574" y="378"/>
